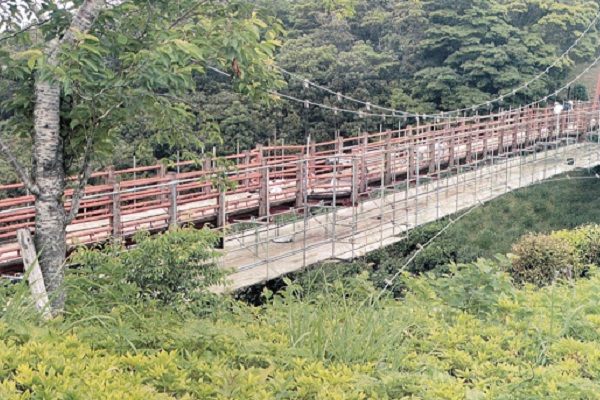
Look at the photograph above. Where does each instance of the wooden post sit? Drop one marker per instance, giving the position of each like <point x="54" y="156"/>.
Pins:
<point x="517" y="123"/>
<point x="263" y="193"/>
<point x="411" y="152"/>
<point x="34" y="272"/>
<point x="354" y="190"/>
<point x="470" y="148"/>
<point x="528" y="116"/>
<point x="432" y="143"/>
<point x="222" y="212"/>
<point x="206" y="167"/>
<point x="300" y="178"/>
<point x="110" y="177"/>
<point x="164" y="196"/>
<point x="114" y="208"/>
<point x="486" y="140"/>
<point x="172" y="198"/>
<point x="452" y="147"/>
<point x="115" y="220"/>
<point x="445" y="143"/>
<point x="388" y="175"/>
<point x="363" y="179"/>
<point x="585" y="120"/>
<point x="246" y="163"/>
<point x="260" y="153"/>
<point x="501" y="122"/>
<point x="339" y="145"/>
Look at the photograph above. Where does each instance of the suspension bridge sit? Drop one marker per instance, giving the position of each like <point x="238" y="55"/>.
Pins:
<point x="282" y="208"/>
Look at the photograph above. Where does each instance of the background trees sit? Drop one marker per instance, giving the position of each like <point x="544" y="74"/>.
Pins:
<point x="420" y="55"/>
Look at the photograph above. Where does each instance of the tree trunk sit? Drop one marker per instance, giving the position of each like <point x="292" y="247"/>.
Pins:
<point x="50" y="229"/>
<point x="50" y="217"/>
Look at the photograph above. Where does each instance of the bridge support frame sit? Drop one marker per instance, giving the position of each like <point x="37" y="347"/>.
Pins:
<point x="263" y="197"/>
<point x="115" y="219"/>
<point x="172" y="199"/>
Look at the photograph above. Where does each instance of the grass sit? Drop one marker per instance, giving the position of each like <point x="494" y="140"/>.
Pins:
<point x="563" y="204"/>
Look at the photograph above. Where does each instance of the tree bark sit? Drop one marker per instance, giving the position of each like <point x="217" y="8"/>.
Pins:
<point x="50" y="229"/>
<point x="34" y="272"/>
<point x="50" y="217"/>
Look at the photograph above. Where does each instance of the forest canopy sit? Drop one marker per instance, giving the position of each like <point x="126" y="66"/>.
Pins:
<point x="422" y="56"/>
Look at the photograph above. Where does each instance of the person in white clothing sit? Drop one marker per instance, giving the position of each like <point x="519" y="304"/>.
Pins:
<point x="558" y="108"/>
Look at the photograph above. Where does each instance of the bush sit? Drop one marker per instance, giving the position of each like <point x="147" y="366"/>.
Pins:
<point x="174" y="264"/>
<point x="170" y="267"/>
<point x="475" y="287"/>
<point x="586" y="241"/>
<point x="540" y="259"/>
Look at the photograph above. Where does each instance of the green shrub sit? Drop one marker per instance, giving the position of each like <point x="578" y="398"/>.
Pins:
<point x="170" y="267"/>
<point x="475" y="287"/>
<point x="174" y="264"/>
<point x="586" y="241"/>
<point x="540" y="259"/>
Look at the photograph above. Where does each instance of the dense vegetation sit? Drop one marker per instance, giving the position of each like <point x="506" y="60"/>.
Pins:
<point x="468" y="334"/>
<point x="143" y="324"/>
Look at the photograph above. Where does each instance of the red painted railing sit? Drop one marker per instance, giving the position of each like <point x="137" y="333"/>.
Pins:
<point x="118" y="205"/>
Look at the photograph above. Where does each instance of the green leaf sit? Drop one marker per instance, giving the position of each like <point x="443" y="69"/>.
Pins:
<point x="93" y="38"/>
<point x="189" y="48"/>
<point x="29" y="54"/>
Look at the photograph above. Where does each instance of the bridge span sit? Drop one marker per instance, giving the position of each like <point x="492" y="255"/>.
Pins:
<point x="269" y="249"/>
<point x="282" y="208"/>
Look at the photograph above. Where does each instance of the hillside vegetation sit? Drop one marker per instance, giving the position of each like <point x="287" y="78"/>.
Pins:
<point x="468" y="335"/>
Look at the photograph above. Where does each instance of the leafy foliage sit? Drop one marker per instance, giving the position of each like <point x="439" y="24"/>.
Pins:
<point x="138" y="59"/>
<point x="476" y="287"/>
<point x="540" y="259"/>
<point x="470" y="334"/>
<point x="172" y="267"/>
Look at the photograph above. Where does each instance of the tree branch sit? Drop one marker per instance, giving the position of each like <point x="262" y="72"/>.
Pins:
<point x="86" y="169"/>
<point x="82" y="21"/>
<point x="27" y="28"/>
<point x="187" y="13"/>
<point x="84" y="176"/>
<point x="4" y="149"/>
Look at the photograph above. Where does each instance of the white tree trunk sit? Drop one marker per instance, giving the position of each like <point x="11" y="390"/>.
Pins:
<point x="50" y="229"/>
<point x="50" y="218"/>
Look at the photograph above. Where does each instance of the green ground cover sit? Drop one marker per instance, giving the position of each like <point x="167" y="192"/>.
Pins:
<point x="470" y="335"/>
